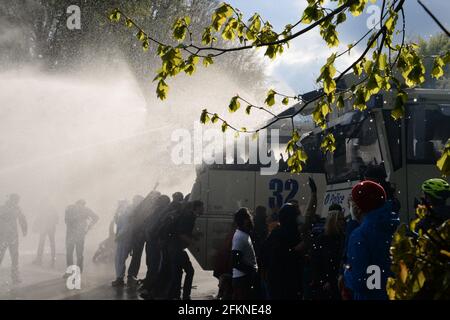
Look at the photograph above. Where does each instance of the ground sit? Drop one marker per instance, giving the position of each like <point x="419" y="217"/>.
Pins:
<point x="45" y="283"/>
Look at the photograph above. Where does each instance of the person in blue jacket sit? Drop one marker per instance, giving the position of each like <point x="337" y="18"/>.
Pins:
<point x="368" y="259"/>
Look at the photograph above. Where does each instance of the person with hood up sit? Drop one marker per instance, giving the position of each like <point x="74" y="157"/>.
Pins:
<point x="370" y="242"/>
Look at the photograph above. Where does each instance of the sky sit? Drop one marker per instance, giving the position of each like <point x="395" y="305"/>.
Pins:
<point x="296" y="70"/>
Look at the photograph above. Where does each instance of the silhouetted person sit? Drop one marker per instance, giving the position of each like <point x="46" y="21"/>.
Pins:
<point x="223" y="267"/>
<point x="123" y="241"/>
<point x="79" y="220"/>
<point x="283" y="166"/>
<point x="326" y="257"/>
<point x="377" y="173"/>
<point x="140" y="213"/>
<point x="283" y="256"/>
<point x="153" y="247"/>
<point x="259" y="236"/>
<point x="369" y="243"/>
<point x="183" y="236"/>
<point x="10" y="214"/>
<point x="261" y="230"/>
<point x="46" y="226"/>
<point x="243" y="255"/>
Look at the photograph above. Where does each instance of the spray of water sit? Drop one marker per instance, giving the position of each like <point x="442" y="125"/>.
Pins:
<point x="92" y="135"/>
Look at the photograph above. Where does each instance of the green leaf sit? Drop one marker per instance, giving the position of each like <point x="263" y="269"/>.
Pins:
<point x="248" y="109"/>
<point x="368" y="66"/>
<point x="270" y="99"/>
<point x="438" y="70"/>
<point x="204" y="117"/>
<point x="357" y="69"/>
<point x="214" y="118"/>
<point x="225" y="10"/>
<point x="399" y="105"/>
<point x="129" y="23"/>
<point x="207" y="61"/>
<point x="311" y="13"/>
<point x="329" y="34"/>
<point x="146" y="45"/>
<point x="162" y="89"/>
<point x="207" y="36"/>
<point x="179" y="29"/>
<point x="218" y="21"/>
<point x="189" y="69"/>
<point x="224" y="126"/>
<point x="374" y="84"/>
<point x="230" y="29"/>
<point x="234" y="104"/>
<point x="357" y="7"/>
<point x="285" y="101"/>
<point x="341" y="17"/>
<point x="161" y="50"/>
<point x="255" y="23"/>
<point x="328" y="143"/>
<point x="221" y="15"/>
<point x="443" y="163"/>
<point x="382" y="61"/>
<point x="114" y="16"/>
<point x="141" y="35"/>
<point x="360" y="100"/>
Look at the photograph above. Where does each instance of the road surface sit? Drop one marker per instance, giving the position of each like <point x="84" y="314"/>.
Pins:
<point x="45" y="283"/>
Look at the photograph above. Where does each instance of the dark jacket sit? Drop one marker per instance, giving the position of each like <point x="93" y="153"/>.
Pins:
<point x="369" y="245"/>
<point x="283" y="264"/>
<point x="326" y="258"/>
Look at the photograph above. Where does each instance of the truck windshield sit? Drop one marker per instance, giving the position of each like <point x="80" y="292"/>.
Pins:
<point x="428" y="128"/>
<point x="356" y="147"/>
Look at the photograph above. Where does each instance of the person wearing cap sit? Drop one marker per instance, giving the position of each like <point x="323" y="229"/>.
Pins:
<point x="436" y="192"/>
<point x="370" y="242"/>
<point x="10" y="214"/>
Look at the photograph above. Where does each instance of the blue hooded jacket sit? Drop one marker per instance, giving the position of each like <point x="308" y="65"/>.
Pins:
<point x="369" y="245"/>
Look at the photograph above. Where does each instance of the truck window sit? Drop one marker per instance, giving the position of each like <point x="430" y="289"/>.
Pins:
<point x="356" y="147"/>
<point x="428" y="128"/>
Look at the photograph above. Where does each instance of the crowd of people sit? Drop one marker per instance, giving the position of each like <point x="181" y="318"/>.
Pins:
<point x="294" y="255"/>
<point x="159" y="226"/>
<point x="162" y="228"/>
<point x="282" y="255"/>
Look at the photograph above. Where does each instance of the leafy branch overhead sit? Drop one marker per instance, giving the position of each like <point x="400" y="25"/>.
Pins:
<point x="386" y="63"/>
